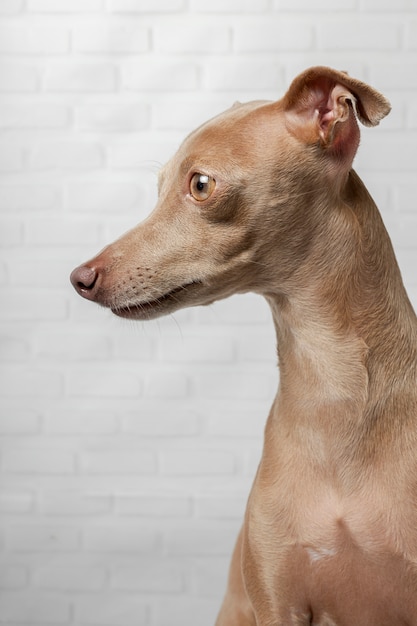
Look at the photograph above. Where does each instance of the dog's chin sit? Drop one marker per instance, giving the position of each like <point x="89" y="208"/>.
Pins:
<point x="170" y="302"/>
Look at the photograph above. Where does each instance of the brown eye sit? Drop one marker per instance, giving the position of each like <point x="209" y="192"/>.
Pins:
<point x="202" y="186"/>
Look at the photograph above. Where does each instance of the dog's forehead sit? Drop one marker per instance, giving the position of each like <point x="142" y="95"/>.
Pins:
<point x="229" y="132"/>
<point x="239" y="110"/>
<point x="231" y="120"/>
<point x="224" y="139"/>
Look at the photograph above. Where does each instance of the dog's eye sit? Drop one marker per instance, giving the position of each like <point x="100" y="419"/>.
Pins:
<point x="202" y="186"/>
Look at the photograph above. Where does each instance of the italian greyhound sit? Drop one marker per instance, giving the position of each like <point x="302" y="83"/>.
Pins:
<point x="263" y="198"/>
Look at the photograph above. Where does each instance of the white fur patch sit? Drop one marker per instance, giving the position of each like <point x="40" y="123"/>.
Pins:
<point x="317" y="554"/>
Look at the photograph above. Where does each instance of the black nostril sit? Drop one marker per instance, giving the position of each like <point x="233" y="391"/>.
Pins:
<point x="84" y="278"/>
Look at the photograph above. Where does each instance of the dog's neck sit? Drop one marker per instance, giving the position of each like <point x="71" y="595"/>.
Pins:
<point x="345" y="341"/>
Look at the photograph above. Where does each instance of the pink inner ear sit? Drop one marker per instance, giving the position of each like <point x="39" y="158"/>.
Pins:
<point x="330" y="107"/>
<point x="326" y="118"/>
<point x="337" y="120"/>
<point x="324" y="111"/>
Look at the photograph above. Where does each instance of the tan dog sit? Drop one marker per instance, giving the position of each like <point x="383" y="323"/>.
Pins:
<point x="263" y="199"/>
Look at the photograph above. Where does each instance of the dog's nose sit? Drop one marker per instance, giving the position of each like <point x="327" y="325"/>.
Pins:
<point x="84" y="280"/>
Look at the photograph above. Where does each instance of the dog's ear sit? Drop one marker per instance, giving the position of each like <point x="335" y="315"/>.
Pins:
<point x="322" y="105"/>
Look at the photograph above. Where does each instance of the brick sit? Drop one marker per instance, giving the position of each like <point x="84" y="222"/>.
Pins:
<point x="160" y="76"/>
<point x="74" y="346"/>
<point x="134" y="346"/>
<point x="228" y="506"/>
<point x="232" y="385"/>
<point x="229" y="6"/>
<point x="103" y="383"/>
<point x="11" y="157"/>
<point x="392" y="153"/>
<point x="20" y="306"/>
<point x="30" y="382"/>
<point x="10" y="7"/>
<point x="118" y="461"/>
<point x="266" y="35"/>
<point x="18" y="78"/>
<point x="358" y="34"/>
<point x="197" y="462"/>
<point x="185" y="115"/>
<point x="57" y="577"/>
<point x="237" y="424"/>
<point x="119" y="538"/>
<point x="65" y="6"/>
<point x="196" y="348"/>
<point x="19" y="38"/>
<point x="13" y="577"/>
<point x="252" y="460"/>
<point x="248" y="75"/>
<point x="36" y="460"/>
<point x="28" y="197"/>
<point x="108" y="610"/>
<point x="16" y="502"/>
<point x="407" y="260"/>
<point x="180" y="611"/>
<point x="35" y="609"/>
<point x="412" y="292"/>
<point x="258" y="347"/>
<point x="411" y="115"/>
<point x="105" y="197"/>
<point x="81" y="77"/>
<point x="406" y="237"/>
<point x="36" y="115"/>
<point x="42" y="538"/>
<point x="380" y="191"/>
<point x="39" y="273"/>
<point x="380" y="6"/>
<point x="167" y="385"/>
<point x="405" y="194"/>
<point x="69" y="503"/>
<point x="319" y="5"/>
<point x="65" y="231"/>
<point x="19" y="422"/>
<point x="120" y="117"/>
<point x="193" y="37"/>
<point x="144" y="505"/>
<point x="13" y="349"/>
<point x="141" y="155"/>
<point x="80" y="422"/>
<point x="66" y="156"/>
<point x="146" y="6"/>
<point x="209" y="577"/>
<point x="150" y="576"/>
<point x="11" y="232"/>
<point x="4" y="278"/>
<point x="216" y="540"/>
<point x="401" y="75"/>
<point x="82" y="312"/>
<point x="164" y="424"/>
<point x="123" y="39"/>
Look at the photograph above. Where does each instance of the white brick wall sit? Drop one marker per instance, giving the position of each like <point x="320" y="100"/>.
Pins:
<point x="127" y="451"/>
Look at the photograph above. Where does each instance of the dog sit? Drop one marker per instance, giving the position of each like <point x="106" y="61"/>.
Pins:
<point x="263" y="198"/>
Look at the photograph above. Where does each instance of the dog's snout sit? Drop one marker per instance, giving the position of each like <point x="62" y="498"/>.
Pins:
<point x="84" y="280"/>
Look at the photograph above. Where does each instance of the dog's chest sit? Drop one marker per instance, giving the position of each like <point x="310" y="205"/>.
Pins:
<point x="343" y="580"/>
<point x="338" y="561"/>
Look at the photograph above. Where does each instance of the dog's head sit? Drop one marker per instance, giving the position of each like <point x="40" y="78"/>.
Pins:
<point x="236" y="208"/>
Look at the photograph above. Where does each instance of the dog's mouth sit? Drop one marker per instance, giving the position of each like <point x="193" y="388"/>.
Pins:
<point x="149" y="309"/>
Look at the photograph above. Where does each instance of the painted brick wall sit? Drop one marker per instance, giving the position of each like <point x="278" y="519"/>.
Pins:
<point x="127" y="451"/>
